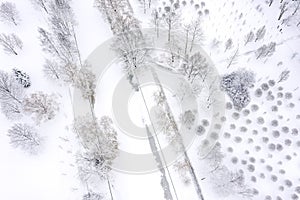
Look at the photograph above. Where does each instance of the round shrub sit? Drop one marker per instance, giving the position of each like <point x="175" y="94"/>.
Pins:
<point x="274" y="178"/>
<point x="238" y="139"/>
<point x="276" y="134"/>
<point x="288" y="95"/>
<point x="228" y="106"/>
<point x="285" y="129"/>
<point x="200" y="130"/>
<point x="271" y="83"/>
<point x="271" y="147"/>
<point x="235" y="115"/>
<point x="287" y="142"/>
<point x="265" y="139"/>
<point x="232" y="126"/>
<point x="230" y="149"/>
<point x="279" y="95"/>
<point x="288" y="183"/>
<point x="279" y="147"/>
<point x="258" y="92"/>
<point x="205" y="122"/>
<point x="260" y="120"/>
<point x="264" y="86"/>
<point x="294" y="131"/>
<point x="227" y="135"/>
<point x="246" y="112"/>
<point x="254" y="108"/>
<point x="274" y="122"/>
<point x="251" y="168"/>
<point x="234" y="160"/>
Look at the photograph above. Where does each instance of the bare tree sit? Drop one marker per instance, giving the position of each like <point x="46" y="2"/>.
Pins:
<point x="41" y="4"/>
<point x="283" y="9"/>
<point x="11" y="43"/>
<point x="171" y="19"/>
<point x="195" y="67"/>
<point x="9" y="13"/>
<point x="24" y="137"/>
<point x="285" y="74"/>
<point x="156" y="21"/>
<point x="51" y="70"/>
<point x="233" y="59"/>
<point x="249" y="37"/>
<point x="266" y="50"/>
<point x="196" y="33"/>
<point x="92" y="196"/>
<point x="228" y="44"/>
<point x="41" y="106"/>
<point x="270" y="2"/>
<point x="260" y="34"/>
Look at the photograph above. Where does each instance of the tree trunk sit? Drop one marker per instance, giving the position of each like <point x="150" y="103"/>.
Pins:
<point x="109" y="187"/>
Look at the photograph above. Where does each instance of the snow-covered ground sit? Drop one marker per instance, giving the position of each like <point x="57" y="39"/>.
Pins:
<point x="52" y="174"/>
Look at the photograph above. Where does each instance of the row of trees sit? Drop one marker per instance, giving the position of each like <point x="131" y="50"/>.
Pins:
<point x="60" y="42"/>
<point x="98" y="138"/>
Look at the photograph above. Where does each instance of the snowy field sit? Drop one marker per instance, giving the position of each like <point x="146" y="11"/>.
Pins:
<point x="149" y="99"/>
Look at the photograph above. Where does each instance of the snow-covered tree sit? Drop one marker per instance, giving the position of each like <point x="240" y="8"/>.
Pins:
<point x="185" y="90"/>
<point x="226" y="182"/>
<point x="97" y="136"/>
<point x="85" y="81"/>
<point x="101" y="148"/>
<point x="195" y="67"/>
<point x="22" y="78"/>
<point x="92" y="196"/>
<point x="10" y="89"/>
<point x="41" y="106"/>
<point x="9" y="13"/>
<point x="24" y="137"/>
<point x="92" y="166"/>
<point x="266" y="50"/>
<point x="11" y="96"/>
<point x="11" y="43"/>
<point x="11" y="109"/>
<point x="182" y="168"/>
<point x="236" y="86"/>
<point x="215" y="158"/>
